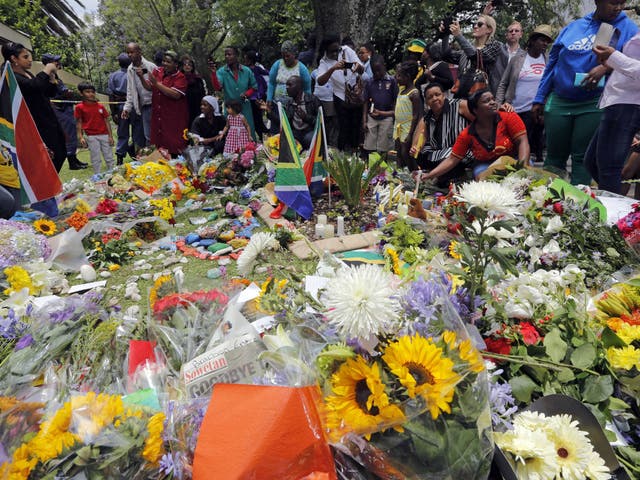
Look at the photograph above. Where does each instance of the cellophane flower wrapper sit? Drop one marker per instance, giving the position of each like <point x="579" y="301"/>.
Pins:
<point x="18" y="419"/>
<point x="183" y="323"/>
<point x="417" y="406"/>
<point x="184" y="419"/>
<point x="52" y="329"/>
<point x="91" y="436"/>
<point x="617" y="310"/>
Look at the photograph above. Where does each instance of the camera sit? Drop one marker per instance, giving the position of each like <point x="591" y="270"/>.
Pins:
<point x="446" y="22"/>
<point x="144" y="70"/>
<point x="348" y="64"/>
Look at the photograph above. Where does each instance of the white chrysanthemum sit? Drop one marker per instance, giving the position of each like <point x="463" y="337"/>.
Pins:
<point x="489" y="196"/>
<point x="361" y="302"/>
<point x="554" y="225"/>
<point x="539" y="195"/>
<point x="572" y="447"/>
<point x="532" y="453"/>
<point x="259" y="242"/>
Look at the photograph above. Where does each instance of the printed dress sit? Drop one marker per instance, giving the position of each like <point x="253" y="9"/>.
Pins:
<point x="403" y="115"/>
<point x="237" y="136"/>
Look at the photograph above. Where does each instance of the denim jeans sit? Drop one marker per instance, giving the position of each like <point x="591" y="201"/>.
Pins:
<point x="610" y="145"/>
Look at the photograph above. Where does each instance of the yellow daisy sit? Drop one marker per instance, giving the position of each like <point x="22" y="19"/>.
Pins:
<point x="46" y="227"/>
<point x="423" y="370"/>
<point x="359" y="402"/>
<point x="153" y="445"/>
<point x="468" y="353"/>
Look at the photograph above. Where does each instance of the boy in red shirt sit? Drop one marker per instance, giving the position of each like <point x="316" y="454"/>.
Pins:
<point x="93" y="118"/>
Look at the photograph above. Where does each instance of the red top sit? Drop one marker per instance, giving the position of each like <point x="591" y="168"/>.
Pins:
<point x="92" y="115"/>
<point x="507" y="127"/>
<point x="169" y="117"/>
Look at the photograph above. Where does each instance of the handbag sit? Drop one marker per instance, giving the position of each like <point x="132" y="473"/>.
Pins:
<point x="354" y="94"/>
<point x="479" y="80"/>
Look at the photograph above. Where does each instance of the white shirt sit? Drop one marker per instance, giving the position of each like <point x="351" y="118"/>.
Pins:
<point x="338" y="78"/>
<point x="323" y="92"/>
<point x="137" y="95"/>
<point x="623" y="85"/>
<point x="528" y="81"/>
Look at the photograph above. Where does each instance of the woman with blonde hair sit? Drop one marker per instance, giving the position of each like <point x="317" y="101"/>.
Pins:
<point x="485" y="53"/>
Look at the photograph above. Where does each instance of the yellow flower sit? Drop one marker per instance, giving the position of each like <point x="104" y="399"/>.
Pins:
<point x="153" y="445"/>
<point x="423" y="370"/>
<point x="628" y="333"/>
<point x="625" y="357"/>
<point x="82" y="206"/>
<point x="449" y="337"/>
<point x="469" y="354"/>
<point x="395" y="260"/>
<point x="157" y="285"/>
<point x="539" y="216"/>
<point x="46" y="227"/>
<point x="18" y="278"/>
<point x="164" y="208"/>
<point x="114" y="266"/>
<point x="453" y="250"/>
<point x="359" y="402"/>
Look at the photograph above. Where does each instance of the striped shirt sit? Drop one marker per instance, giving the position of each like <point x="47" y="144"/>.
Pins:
<point x="443" y="131"/>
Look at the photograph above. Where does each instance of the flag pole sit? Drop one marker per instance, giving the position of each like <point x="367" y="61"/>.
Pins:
<point x="326" y="149"/>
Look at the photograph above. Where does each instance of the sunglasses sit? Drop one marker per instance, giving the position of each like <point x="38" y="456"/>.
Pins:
<point x="479" y="24"/>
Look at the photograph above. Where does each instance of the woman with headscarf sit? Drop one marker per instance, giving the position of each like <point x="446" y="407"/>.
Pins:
<point x="485" y="53"/>
<point x="209" y="124"/>
<point x="169" y="109"/>
<point x="571" y="86"/>
<point x="196" y="88"/>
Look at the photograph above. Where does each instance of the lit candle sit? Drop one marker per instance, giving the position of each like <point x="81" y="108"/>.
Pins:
<point x="322" y="219"/>
<point x="340" y="231"/>
<point x="328" y="230"/>
<point x="319" y="230"/>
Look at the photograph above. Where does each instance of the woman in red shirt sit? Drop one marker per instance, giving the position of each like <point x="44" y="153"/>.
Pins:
<point x="491" y="135"/>
<point x="169" y="108"/>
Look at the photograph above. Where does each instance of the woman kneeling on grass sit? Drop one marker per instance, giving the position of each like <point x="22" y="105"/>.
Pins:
<point x="493" y="134"/>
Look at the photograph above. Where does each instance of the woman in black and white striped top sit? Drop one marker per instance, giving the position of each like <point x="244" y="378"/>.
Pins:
<point x="437" y="131"/>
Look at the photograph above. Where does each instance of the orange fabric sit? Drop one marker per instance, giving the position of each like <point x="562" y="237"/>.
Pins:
<point x="262" y="432"/>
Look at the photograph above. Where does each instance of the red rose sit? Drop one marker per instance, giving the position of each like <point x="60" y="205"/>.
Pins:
<point x="558" y="208"/>
<point x="498" y="345"/>
<point x="530" y="335"/>
<point x="454" y="228"/>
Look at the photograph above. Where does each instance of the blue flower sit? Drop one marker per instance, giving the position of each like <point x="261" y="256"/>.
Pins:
<point x="24" y="342"/>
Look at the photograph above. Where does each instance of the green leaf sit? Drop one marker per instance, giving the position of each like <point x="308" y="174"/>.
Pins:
<point x="597" y="388"/>
<point x="565" y="375"/>
<point x="583" y="356"/>
<point x="555" y="347"/>
<point x="617" y="404"/>
<point x="610" y="339"/>
<point x="522" y="387"/>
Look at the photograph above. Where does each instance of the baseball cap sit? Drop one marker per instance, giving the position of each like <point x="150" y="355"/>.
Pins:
<point x="50" y="57"/>
<point x="416" y="45"/>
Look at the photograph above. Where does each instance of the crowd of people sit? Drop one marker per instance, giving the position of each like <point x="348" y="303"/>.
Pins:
<point x="452" y="107"/>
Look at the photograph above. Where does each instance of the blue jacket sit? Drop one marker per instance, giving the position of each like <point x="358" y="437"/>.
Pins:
<point x="273" y="74"/>
<point x="571" y="53"/>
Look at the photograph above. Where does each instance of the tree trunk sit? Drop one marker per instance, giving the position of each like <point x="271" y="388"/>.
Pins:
<point x="353" y="18"/>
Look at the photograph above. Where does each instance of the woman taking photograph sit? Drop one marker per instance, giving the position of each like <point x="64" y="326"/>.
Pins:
<point x="483" y="53"/>
<point x="491" y="135"/>
<point x="196" y="88"/>
<point x="572" y="84"/>
<point x="520" y="83"/>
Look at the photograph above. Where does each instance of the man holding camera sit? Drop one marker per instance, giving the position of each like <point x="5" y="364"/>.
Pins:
<point x="137" y="107"/>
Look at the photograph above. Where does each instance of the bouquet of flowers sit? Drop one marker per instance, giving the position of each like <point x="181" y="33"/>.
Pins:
<point x="91" y="436"/>
<point x="402" y="372"/>
<point x="17" y="419"/>
<point x="19" y="243"/>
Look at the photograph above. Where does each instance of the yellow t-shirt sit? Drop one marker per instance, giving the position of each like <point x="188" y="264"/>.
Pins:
<point x="8" y="174"/>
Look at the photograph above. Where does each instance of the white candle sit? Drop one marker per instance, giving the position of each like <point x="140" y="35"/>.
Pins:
<point x="328" y="230"/>
<point x="322" y="219"/>
<point x="319" y="230"/>
<point x="340" y="231"/>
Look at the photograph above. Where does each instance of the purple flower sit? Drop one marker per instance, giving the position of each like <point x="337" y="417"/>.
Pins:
<point x="24" y="342"/>
<point x="501" y="401"/>
<point x="271" y="175"/>
<point x="167" y="465"/>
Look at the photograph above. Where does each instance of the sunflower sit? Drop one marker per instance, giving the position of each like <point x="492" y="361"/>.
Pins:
<point x="46" y="227"/>
<point x="421" y="368"/>
<point x="453" y="250"/>
<point x="359" y="402"/>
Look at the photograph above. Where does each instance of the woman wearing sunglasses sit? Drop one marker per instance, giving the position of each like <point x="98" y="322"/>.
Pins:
<point x="484" y="53"/>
